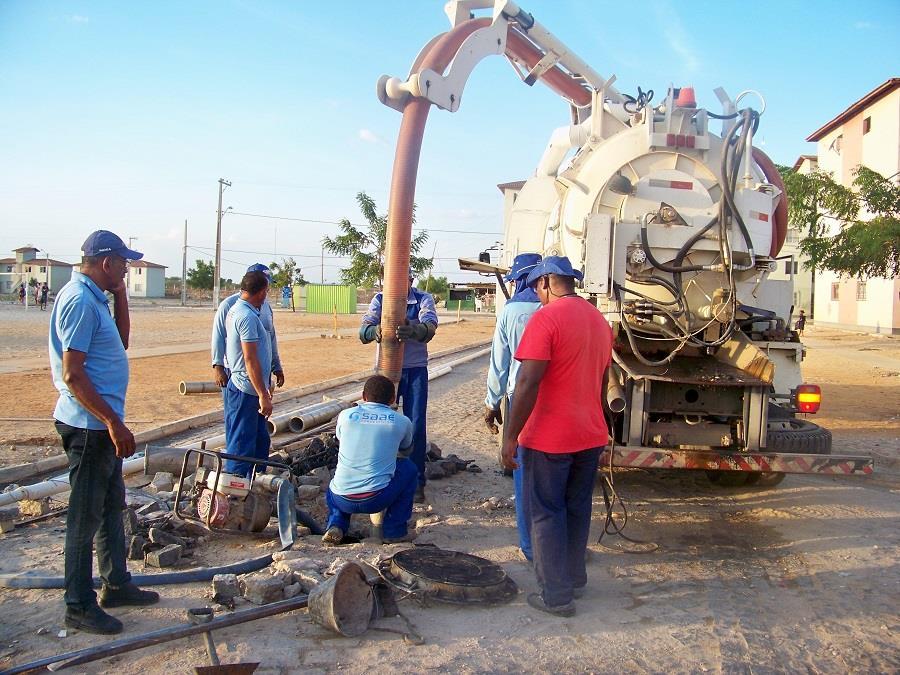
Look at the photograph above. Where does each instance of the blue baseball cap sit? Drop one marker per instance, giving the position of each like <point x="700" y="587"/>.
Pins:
<point x="522" y="265"/>
<point x="553" y="264"/>
<point x="259" y="267"/>
<point x="103" y="242"/>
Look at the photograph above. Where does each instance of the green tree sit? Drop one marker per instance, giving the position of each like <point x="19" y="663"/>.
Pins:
<point x="286" y="273"/>
<point x="437" y="286"/>
<point x="203" y="274"/>
<point x="867" y="243"/>
<point x="365" y="247"/>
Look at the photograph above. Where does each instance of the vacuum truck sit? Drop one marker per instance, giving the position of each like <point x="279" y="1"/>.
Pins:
<point x="676" y="220"/>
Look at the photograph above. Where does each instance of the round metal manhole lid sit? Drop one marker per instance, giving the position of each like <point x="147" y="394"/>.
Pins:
<point x="451" y="576"/>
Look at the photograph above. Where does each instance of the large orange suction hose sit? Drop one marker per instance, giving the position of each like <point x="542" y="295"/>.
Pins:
<point x="780" y="221"/>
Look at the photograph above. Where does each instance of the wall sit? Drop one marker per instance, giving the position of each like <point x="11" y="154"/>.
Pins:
<point x="326" y="298"/>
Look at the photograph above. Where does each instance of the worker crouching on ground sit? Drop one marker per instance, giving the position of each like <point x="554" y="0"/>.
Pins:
<point x="219" y="356"/>
<point x="501" y="378"/>
<point x="370" y="478"/>
<point x="557" y="426"/>
<point x="248" y="394"/>
<point x="420" y="327"/>
<point x="90" y="371"/>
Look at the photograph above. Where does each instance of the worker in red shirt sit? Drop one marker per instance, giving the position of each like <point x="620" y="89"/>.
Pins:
<point x="558" y="426"/>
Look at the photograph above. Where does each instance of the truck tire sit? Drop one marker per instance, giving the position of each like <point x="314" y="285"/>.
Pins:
<point x="800" y="437"/>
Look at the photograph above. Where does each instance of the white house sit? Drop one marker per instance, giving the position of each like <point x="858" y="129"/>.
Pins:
<point x="28" y="265"/>
<point x="867" y="133"/>
<point x="146" y="279"/>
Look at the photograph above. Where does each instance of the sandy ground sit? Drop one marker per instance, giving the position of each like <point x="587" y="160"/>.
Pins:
<point x="153" y="397"/>
<point x="799" y="578"/>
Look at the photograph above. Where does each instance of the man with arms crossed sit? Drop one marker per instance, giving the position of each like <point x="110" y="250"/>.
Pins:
<point x="557" y="425"/>
<point x="90" y="371"/>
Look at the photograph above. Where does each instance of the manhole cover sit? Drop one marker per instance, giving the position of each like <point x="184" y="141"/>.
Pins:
<point x="451" y="576"/>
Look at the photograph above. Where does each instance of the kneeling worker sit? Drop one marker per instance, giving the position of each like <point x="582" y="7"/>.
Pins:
<point x="369" y="476"/>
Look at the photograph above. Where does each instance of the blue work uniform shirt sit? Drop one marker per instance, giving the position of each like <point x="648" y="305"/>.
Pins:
<point x="370" y="436"/>
<point x="502" y="372"/>
<point x="419" y="309"/>
<point x="243" y="324"/>
<point x="219" y="356"/>
<point x="81" y="321"/>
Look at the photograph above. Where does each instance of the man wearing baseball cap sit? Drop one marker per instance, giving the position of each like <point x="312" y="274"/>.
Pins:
<point x="557" y="426"/>
<point x="90" y="371"/>
<point x="501" y="378"/>
<point x="420" y="327"/>
<point x="266" y="316"/>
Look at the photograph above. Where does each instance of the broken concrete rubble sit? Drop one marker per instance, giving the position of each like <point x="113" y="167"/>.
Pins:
<point x="165" y="557"/>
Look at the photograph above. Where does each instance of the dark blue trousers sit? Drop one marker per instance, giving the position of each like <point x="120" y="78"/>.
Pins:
<point x="246" y="433"/>
<point x="558" y="494"/>
<point x="413" y="391"/>
<point x="95" y="514"/>
<point x="396" y="497"/>
<point x="523" y="518"/>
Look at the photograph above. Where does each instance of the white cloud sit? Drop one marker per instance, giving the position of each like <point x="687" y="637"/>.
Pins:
<point x="370" y="136"/>
<point x="78" y="18"/>
<point x="677" y="37"/>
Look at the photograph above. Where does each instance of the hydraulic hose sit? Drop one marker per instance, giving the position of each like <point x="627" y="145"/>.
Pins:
<point x="671" y="269"/>
<point x="780" y="221"/>
<point x="165" y="578"/>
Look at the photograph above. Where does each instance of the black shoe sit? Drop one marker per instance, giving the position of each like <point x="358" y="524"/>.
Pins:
<point x="92" y="620"/>
<point x="333" y="537"/>
<point x="129" y="594"/>
<point x="536" y="601"/>
<point x="420" y="495"/>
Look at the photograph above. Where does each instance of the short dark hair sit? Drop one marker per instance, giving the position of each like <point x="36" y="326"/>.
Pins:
<point x="379" y="389"/>
<point x="254" y="282"/>
<point x="91" y="260"/>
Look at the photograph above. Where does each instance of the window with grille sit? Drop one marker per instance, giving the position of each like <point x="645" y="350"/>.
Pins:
<point x="860" y="290"/>
<point x="835" y="291"/>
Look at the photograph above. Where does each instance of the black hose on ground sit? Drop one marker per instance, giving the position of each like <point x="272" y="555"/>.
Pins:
<point x="162" y="579"/>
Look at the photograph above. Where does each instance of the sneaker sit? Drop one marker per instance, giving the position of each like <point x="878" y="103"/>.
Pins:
<point x="420" y="495"/>
<point x="129" y="594"/>
<point x="333" y="537"/>
<point x="409" y="536"/>
<point x="92" y="620"/>
<point x="536" y="601"/>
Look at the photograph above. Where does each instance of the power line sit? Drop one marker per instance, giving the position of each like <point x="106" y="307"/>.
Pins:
<point x="340" y="222"/>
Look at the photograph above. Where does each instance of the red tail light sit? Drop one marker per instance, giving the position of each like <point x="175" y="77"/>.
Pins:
<point x="808" y="398"/>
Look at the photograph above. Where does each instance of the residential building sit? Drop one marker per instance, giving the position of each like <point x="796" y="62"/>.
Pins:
<point x="866" y="133"/>
<point x="146" y="279"/>
<point x="28" y="264"/>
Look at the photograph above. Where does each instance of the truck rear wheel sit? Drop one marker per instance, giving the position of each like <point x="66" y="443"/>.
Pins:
<point x="791" y="435"/>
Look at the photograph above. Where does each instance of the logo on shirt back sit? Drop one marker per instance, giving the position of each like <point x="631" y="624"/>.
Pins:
<point x="365" y="417"/>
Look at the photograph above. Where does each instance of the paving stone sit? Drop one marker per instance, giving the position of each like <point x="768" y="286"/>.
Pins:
<point x="164" y="557"/>
<point x="306" y="493"/>
<point x="30" y="508"/>
<point x="261" y="588"/>
<point x="225" y="586"/>
<point x="136" y="547"/>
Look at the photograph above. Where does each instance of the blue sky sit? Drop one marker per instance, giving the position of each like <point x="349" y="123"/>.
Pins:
<point x="125" y="115"/>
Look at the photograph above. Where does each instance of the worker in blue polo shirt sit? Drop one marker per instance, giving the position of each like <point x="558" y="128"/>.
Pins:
<point x="248" y="394"/>
<point x="90" y="371"/>
<point x="501" y="378"/>
<point x="421" y="325"/>
<point x="369" y="477"/>
<point x="219" y="357"/>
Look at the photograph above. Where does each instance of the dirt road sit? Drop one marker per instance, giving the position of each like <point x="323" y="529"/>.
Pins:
<point x="800" y="578"/>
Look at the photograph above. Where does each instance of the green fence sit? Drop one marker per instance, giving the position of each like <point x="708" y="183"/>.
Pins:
<point x="327" y="298"/>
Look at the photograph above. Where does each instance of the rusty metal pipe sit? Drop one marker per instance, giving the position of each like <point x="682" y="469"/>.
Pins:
<point x="402" y="197"/>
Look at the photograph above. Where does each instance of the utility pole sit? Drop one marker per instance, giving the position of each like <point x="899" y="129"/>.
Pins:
<point x="128" y="274"/>
<point x="218" y="271"/>
<point x="184" y="267"/>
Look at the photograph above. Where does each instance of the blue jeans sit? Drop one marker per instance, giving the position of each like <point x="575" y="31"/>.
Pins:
<point x="522" y="520"/>
<point x="558" y="495"/>
<point x="397" y="497"/>
<point x="246" y="433"/>
<point x="413" y="390"/>
<point x="95" y="514"/>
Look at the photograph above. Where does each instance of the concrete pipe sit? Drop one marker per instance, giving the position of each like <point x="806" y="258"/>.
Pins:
<point x="318" y="414"/>
<point x="185" y="388"/>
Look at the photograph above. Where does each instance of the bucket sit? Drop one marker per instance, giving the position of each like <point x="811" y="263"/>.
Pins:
<point x="343" y="603"/>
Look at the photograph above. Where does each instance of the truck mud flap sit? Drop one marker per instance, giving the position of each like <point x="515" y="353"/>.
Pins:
<point x="661" y="458"/>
